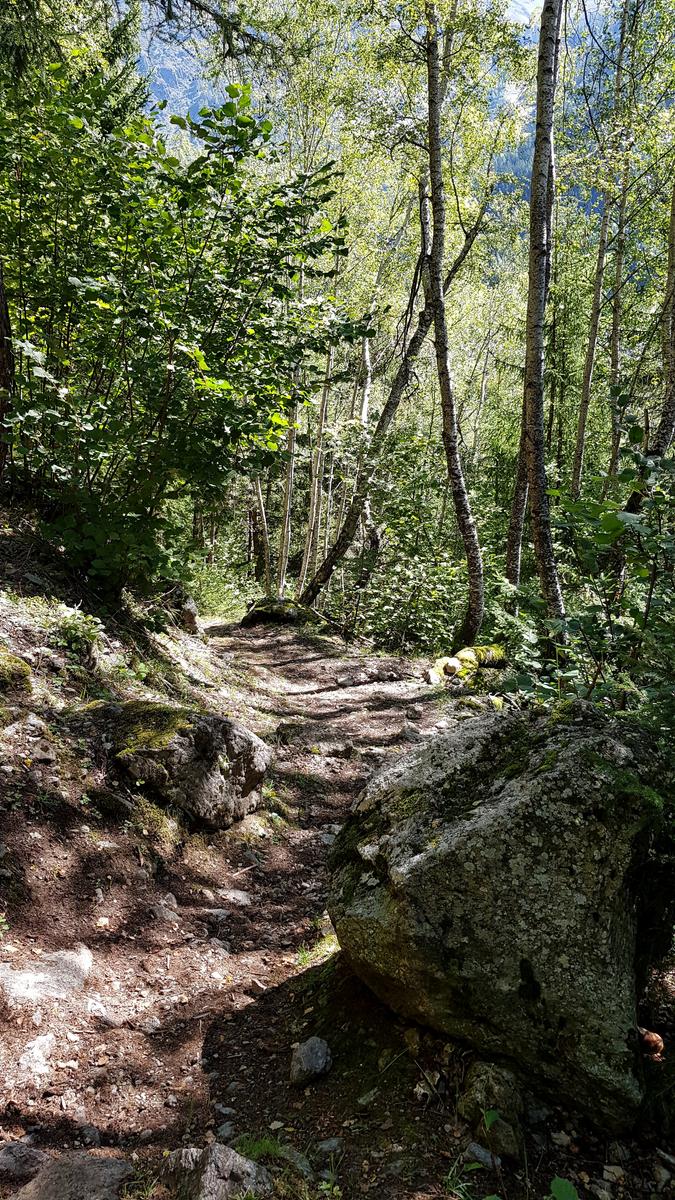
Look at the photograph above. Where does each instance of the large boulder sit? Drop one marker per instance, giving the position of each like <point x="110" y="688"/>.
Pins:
<point x="209" y="766"/>
<point x="281" y="612"/>
<point x="491" y="884"/>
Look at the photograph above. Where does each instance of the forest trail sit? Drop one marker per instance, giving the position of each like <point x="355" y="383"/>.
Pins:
<point x="338" y="717"/>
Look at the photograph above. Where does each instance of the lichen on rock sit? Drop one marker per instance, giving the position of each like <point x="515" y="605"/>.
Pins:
<point x="209" y="766"/>
<point x="488" y="884"/>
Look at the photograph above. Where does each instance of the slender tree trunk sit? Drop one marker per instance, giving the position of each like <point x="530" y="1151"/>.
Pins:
<point x="666" y="426"/>
<point x="591" y="347"/>
<point x="6" y="372"/>
<point x="367" y="370"/>
<point x="264" y="536"/>
<point x="521" y="491"/>
<point x="538" y="272"/>
<point x="514" y="537"/>
<point x="615" y="342"/>
<point x="482" y="396"/>
<point x="316" y="487"/>
<point x="285" y="532"/>
<point x="352" y="517"/>
<point x="473" y="618"/>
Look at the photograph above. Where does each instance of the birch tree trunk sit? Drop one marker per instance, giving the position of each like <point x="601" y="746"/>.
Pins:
<point x="615" y="342"/>
<point x="285" y="532"/>
<point x="6" y="372"/>
<point x="514" y="537"/>
<point x="316" y="486"/>
<point x="666" y="426"/>
<point x="538" y="271"/>
<point x="264" y="535"/>
<point x="591" y="347"/>
<point x="521" y="491"/>
<point x="473" y="618"/>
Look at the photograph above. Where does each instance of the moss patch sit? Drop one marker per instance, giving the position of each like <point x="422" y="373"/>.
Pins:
<point x="145" y="725"/>
<point x="14" y="672"/>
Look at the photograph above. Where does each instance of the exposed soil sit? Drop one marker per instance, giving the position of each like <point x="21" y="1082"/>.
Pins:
<point x="213" y="954"/>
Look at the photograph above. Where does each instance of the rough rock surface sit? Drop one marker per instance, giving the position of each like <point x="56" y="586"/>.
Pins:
<point x="54" y="976"/>
<point x="189" y="615"/>
<point x="216" y="1173"/>
<point x="281" y="612"/>
<point x="20" y="1162"/>
<point x="486" y="885"/>
<point x="494" y="1090"/>
<point x="78" y="1177"/>
<point x="209" y="766"/>
<point x="309" y="1059"/>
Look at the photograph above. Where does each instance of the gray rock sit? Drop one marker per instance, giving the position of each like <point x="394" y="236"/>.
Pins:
<point x="20" y="1162"/>
<point x="476" y="1153"/>
<point x="235" y="896"/>
<point x="330" y="1148"/>
<point x="34" y="1062"/>
<point x="215" y="1173"/>
<point x="488" y="885"/>
<point x="78" y="1177"/>
<point x="53" y="977"/>
<point x="209" y="766"/>
<point x="225" y="1132"/>
<point x="189" y="616"/>
<point x="89" y="1135"/>
<point x="492" y="1089"/>
<point x="309" y="1059"/>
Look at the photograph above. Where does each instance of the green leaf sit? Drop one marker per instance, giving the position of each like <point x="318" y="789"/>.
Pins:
<point x="490" y="1117"/>
<point x="562" y="1189"/>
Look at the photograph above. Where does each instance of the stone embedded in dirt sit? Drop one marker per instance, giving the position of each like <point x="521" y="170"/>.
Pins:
<point x="20" y="1162"/>
<point x="215" y="1173"/>
<point x="53" y="976"/>
<point x="385" y="673"/>
<point x="189" y="615"/>
<point x="310" y="1059"/>
<point x="235" y="896"/>
<point x="34" y="1062"/>
<point x="207" y="765"/>
<point x="330" y="1147"/>
<point x="474" y="1152"/>
<point x="44" y="752"/>
<point x="78" y="1177"/>
<point x="489" y="884"/>
<point x="225" y="1132"/>
<point x="489" y="1088"/>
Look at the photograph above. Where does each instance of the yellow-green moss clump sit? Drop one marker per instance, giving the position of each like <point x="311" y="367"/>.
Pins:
<point x="14" y="672"/>
<point x="145" y="725"/>
<point x="473" y="657"/>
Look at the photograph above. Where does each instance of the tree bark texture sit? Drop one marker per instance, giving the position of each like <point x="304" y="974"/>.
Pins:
<point x="6" y="372"/>
<point x="538" y="270"/>
<point x="473" y="618"/>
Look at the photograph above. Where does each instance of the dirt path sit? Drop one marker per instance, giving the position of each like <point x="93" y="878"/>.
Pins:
<point x="338" y="719"/>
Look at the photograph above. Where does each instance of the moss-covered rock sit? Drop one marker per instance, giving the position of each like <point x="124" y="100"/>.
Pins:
<point x="495" y="883"/>
<point x="14" y="672"/>
<point x="209" y="766"/>
<point x="282" y="612"/>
